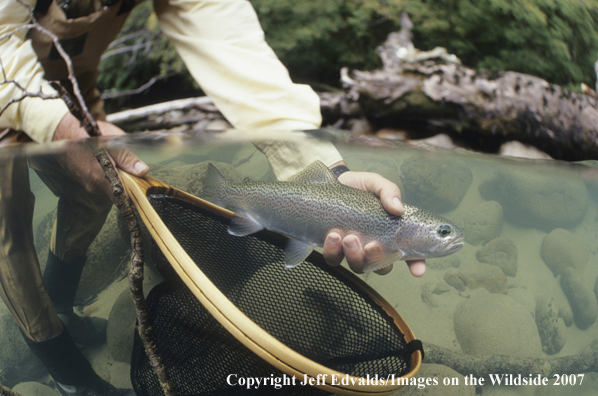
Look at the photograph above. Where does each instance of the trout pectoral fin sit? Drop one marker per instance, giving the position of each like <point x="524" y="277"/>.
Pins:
<point x="242" y="226"/>
<point x="378" y="259"/>
<point x="295" y="252"/>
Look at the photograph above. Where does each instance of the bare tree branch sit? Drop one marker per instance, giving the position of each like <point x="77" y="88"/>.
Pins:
<point x="25" y="93"/>
<point x="147" y="85"/>
<point x="124" y="39"/>
<point x="130" y="48"/>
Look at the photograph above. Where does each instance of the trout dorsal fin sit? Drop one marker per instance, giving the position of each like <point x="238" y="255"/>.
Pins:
<point x="317" y="172"/>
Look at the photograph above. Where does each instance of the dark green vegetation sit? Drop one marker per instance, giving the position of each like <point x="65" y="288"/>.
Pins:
<point x="553" y="39"/>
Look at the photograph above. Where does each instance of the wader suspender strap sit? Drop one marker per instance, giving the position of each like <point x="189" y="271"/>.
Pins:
<point x="42" y="6"/>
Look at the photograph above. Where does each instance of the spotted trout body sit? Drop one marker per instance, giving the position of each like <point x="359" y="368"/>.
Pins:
<point x="313" y="203"/>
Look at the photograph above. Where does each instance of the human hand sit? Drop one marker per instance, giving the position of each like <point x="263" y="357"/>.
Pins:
<point x="81" y="163"/>
<point x="338" y="246"/>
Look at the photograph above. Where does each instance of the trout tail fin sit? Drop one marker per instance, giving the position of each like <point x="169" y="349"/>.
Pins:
<point x="214" y="186"/>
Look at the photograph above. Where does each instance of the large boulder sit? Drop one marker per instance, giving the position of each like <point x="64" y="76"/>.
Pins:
<point x="545" y="198"/>
<point x="481" y="223"/>
<point x="495" y="324"/>
<point x="434" y="184"/>
<point x="121" y="328"/>
<point x="561" y="249"/>
<point x="191" y="178"/>
<point x="107" y="257"/>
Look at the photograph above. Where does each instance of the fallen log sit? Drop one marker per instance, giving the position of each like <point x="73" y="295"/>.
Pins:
<point x="430" y="92"/>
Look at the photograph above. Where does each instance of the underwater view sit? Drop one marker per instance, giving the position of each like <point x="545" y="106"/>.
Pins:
<point x="523" y="286"/>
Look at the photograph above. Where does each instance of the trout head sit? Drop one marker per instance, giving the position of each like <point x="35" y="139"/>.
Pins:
<point x="425" y="235"/>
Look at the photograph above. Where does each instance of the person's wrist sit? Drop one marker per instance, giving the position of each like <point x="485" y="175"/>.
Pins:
<point x="69" y="128"/>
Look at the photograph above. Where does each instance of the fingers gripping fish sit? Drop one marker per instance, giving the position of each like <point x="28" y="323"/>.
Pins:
<point x="312" y="203"/>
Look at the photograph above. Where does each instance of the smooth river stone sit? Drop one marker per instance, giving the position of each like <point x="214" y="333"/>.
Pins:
<point x="495" y="324"/>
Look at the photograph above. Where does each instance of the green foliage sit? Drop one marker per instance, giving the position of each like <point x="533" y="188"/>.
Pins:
<point x="139" y="54"/>
<point x="553" y="39"/>
<point x="316" y="38"/>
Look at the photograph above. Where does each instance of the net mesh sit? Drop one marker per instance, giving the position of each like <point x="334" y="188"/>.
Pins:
<point x="307" y="308"/>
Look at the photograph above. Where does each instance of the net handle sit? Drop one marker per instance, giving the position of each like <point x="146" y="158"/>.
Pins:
<point x="228" y="315"/>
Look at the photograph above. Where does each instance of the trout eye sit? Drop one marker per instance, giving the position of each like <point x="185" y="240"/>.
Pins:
<point x="444" y="230"/>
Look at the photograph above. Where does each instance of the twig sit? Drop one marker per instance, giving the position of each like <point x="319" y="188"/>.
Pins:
<point x="67" y="60"/>
<point x="25" y="93"/>
<point x="126" y="38"/>
<point x="130" y="48"/>
<point x="147" y="85"/>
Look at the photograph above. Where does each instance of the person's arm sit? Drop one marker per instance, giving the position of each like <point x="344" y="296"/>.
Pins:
<point x="223" y="46"/>
<point x="37" y="117"/>
<point x="45" y="120"/>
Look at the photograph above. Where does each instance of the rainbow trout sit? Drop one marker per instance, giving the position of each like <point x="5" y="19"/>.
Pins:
<point x="312" y="203"/>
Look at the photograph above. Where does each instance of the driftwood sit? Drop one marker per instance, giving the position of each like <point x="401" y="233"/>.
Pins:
<point x="482" y="367"/>
<point x="430" y="92"/>
<point x="198" y="113"/>
<point x="126" y="116"/>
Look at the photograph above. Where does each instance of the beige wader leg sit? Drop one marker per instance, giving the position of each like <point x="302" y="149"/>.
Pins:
<point x="21" y="284"/>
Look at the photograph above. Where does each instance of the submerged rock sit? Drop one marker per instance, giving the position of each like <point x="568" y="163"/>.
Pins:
<point x="430" y="371"/>
<point x="494" y="324"/>
<point x="17" y="362"/>
<point x="191" y="178"/>
<point x="121" y="328"/>
<point x="435" y="184"/>
<point x="544" y="198"/>
<point x="550" y="326"/>
<point x="441" y="263"/>
<point x="481" y="223"/>
<point x="33" y="388"/>
<point x="475" y="276"/>
<point x="583" y="302"/>
<point x="107" y="257"/>
<point x="501" y="252"/>
<point x="561" y="249"/>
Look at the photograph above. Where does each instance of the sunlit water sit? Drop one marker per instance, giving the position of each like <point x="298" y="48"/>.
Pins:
<point x="526" y="222"/>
